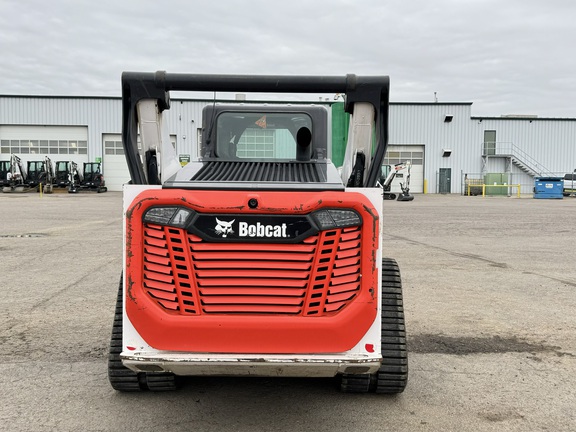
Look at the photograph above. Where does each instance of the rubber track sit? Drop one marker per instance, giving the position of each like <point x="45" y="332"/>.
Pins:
<point x="123" y="379"/>
<point x="392" y="376"/>
<point x="356" y="383"/>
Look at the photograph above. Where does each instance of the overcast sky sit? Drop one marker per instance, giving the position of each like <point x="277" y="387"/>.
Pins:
<point x="504" y="56"/>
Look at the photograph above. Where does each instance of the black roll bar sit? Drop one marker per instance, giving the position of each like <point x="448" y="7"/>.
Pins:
<point x="137" y="86"/>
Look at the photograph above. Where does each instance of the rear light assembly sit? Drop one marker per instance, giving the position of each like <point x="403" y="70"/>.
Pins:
<point x="325" y="219"/>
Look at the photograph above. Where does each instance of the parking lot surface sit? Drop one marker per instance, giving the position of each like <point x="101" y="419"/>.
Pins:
<point x="490" y="301"/>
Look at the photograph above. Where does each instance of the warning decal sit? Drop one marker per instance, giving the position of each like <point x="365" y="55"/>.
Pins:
<point x="261" y="122"/>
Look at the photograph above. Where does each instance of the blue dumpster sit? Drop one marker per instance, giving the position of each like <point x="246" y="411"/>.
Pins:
<point x="548" y="187"/>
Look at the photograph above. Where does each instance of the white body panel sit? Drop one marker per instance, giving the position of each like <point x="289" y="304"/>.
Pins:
<point x="359" y="139"/>
<point x="139" y="356"/>
<point x="155" y="135"/>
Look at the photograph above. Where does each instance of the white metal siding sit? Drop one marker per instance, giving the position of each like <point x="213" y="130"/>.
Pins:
<point x="98" y="115"/>
<point x="44" y="132"/>
<point x="424" y="124"/>
<point x="552" y="142"/>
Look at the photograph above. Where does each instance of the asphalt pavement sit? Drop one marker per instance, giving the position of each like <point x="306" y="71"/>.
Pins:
<point x="490" y="302"/>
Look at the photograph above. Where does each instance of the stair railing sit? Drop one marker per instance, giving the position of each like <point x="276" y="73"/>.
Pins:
<point x="508" y="149"/>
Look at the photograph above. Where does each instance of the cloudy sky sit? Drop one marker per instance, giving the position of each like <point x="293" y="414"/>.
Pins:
<point x="505" y="56"/>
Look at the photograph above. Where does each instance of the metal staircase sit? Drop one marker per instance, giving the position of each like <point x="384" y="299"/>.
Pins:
<point x="514" y="156"/>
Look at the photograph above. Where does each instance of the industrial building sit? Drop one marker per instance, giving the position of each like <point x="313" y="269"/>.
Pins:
<point x="449" y="148"/>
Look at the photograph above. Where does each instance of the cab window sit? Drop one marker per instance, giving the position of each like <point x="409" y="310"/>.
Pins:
<point x="259" y="135"/>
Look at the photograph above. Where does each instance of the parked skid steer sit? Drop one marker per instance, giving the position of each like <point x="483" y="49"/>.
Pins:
<point x="260" y="257"/>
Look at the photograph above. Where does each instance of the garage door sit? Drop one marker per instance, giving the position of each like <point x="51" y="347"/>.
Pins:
<point x="59" y="143"/>
<point x="396" y="154"/>
<point x="114" y="165"/>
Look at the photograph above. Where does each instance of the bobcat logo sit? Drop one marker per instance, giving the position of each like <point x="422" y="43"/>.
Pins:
<point x="224" y="228"/>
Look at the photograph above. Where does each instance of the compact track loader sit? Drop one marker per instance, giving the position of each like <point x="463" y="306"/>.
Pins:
<point x="259" y="257"/>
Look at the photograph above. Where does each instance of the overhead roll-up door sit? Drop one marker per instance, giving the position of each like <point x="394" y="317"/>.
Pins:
<point x="396" y="154"/>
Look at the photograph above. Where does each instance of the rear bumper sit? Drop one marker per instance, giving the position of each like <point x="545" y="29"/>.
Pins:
<point x="227" y="365"/>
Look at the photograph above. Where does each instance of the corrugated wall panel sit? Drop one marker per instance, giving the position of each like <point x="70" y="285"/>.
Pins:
<point x="552" y="142"/>
<point x="424" y="124"/>
<point x="184" y="118"/>
<point x="99" y="115"/>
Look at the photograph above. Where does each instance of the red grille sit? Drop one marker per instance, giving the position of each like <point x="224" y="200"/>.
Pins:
<point x="188" y="276"/>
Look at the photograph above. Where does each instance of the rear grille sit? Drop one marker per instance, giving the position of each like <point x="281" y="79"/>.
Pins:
<point x="244" y="171"/>
<point x="188" y="276"/>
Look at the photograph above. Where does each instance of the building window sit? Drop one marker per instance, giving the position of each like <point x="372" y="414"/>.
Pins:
<point x="395" y="157"/>
<point x="45" y="147"/>
<point x="113" y="148"/>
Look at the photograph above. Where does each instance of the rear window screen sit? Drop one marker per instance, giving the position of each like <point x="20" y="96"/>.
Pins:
<point x="259" y="135"/>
